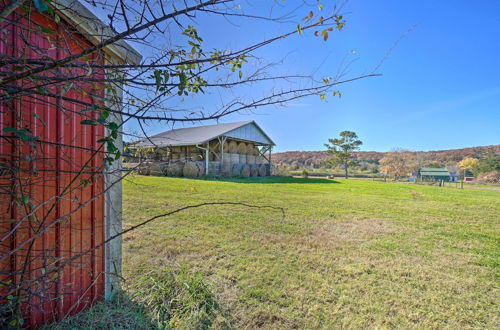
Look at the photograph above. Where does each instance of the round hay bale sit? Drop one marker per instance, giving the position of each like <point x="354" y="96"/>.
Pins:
<point x="255" y="151"/>
<point x="232" y="147"/>
<point x="236" y="169"/>
<point x="191" y="170"/>
<point x="235" y="158"/>
<point x="254" y="170"/>
<point x="175" y="156"/>
<point x="259" y="160"/>
<point x="242" y="159"/>
<point x="226" y="158"/>
<point x="144" y="169"/>
<point x="226" y="169"/>
<point x="182" y="155"/>
<point x="156" y="169"/>
<point x="262" y="170"/>
<point x="242" y="148"/>
<point x="245" y="170"/>
<point x="225" y="146"/>
<point x="174" y="169"/>
<point x="250" y="159"/>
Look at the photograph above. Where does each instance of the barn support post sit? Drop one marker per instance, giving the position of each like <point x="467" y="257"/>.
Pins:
<point x="270" y="161"/>
<point x="222" y="140"/>
<point x="207" y="154"/>
<point x="113" y="207"/>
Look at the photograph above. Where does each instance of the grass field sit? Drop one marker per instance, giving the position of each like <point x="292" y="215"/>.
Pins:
<point x="346" y="254"/>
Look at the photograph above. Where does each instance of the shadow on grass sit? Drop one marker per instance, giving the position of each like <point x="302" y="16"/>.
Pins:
<point x="272" y="179"/>
<point x="119" y="313"/>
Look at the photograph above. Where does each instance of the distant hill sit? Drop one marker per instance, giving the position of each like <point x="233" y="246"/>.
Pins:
<point x="318" y="158"/>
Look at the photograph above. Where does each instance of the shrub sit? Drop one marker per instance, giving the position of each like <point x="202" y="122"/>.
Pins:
<point x="305" y="174"/>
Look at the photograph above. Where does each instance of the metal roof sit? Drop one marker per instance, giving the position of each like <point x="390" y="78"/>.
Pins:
<point x="434" y="171"/>
<point x="95" y="30"/>
<point x="202" y="134"/>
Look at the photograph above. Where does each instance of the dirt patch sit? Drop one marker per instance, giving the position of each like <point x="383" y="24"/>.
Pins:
<point x="417" y="195"/>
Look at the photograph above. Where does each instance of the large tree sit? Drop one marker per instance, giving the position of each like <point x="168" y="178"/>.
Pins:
<point x="398" y="163"/>
<point x="342" y="150"/>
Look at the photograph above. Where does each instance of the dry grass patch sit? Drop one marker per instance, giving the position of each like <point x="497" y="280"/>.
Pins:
<point x="355" y="254"/>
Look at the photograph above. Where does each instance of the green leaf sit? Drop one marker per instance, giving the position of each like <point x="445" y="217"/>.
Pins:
<point x="88" y="122"/>
<point x="10" y="130"/>
<point x="157" y="74"/>
<point x="93" y="108"/>
<point x="45" y="30"/>
<point x="299" y="29"/>
<point x="103" y="116"/>
<point x="113" y="126"/>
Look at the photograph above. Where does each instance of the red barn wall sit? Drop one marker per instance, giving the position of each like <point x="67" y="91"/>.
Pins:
<point x="39" y="267"/>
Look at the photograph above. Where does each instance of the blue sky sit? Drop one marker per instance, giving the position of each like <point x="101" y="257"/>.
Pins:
<point x="440" y="87"/>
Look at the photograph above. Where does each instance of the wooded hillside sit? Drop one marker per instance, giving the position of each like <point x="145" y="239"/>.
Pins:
<point x="317" y="159"/>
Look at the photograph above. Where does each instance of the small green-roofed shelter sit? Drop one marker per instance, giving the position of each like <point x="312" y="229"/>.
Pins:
<point x="434" y="174"/>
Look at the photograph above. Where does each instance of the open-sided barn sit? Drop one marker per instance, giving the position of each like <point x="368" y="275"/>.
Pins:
<point x="229" y="149"/>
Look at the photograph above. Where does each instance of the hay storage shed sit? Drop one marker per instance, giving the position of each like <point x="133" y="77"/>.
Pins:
<point x="52" y="251"/>
<point x="229" y="149"/>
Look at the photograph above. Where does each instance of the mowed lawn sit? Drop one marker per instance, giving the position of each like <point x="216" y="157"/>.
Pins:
<point x="347" y="253"/>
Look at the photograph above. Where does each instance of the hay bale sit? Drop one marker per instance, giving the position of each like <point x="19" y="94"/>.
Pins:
<point x="251" y="159"/>
<point x="259" y="160"/>
<point x="232" y="147"/>
<point x="234" y="158"/>
<point x="254" y="170"/>
<point x="242" y="148"/>
<point x="236" y="170"/>
<point x="226" y="158"/>
<point x="175" y="156"/>
<point x="242" y="159"/>
<point x="225" y="147"/>
<point x="245" y="170"/>
<point x="174" y="169"/>
<point x="226" y="169"/>
<point x="191" y="170"/>
<point x="262" y="170"/>
<point x="157" y="169"/>
<point x="144" y="168"/>
<point x="255" y="151"/>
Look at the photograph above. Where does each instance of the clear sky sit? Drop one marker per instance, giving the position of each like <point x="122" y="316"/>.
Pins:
<point x="440" y="87"/>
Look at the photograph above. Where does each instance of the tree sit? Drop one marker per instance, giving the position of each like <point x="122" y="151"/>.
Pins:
<point x="342" y="150"/>
<point x="468" y="164"/>
<point x="397" y="163"/>
<point x="488" y="163"/>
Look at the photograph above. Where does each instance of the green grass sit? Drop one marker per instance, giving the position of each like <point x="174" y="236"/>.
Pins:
<point x="347" y="253"/>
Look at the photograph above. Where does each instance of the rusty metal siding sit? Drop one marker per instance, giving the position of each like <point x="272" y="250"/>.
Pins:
<point x="64" y="147"/>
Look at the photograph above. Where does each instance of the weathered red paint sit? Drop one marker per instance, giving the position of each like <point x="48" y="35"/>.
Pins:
<point x="66" y="146"/>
